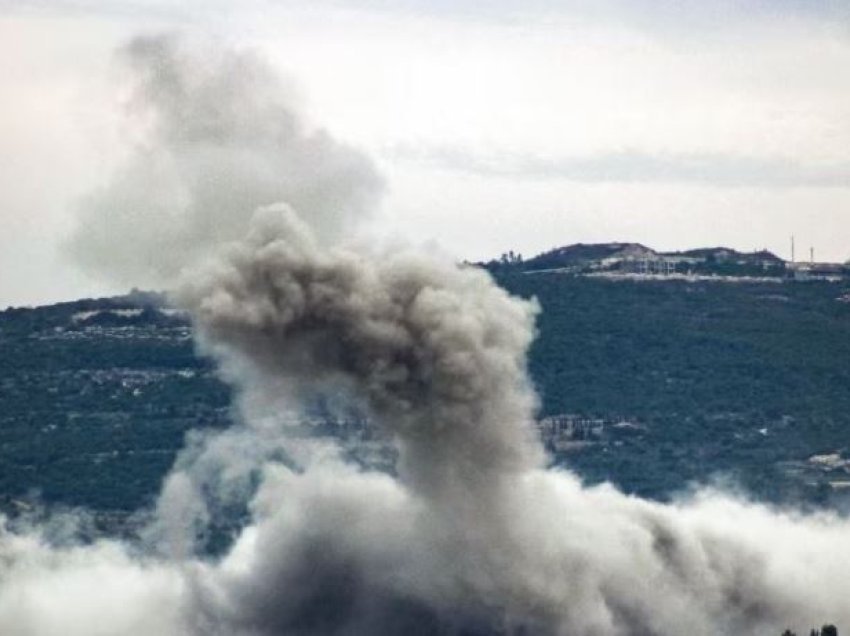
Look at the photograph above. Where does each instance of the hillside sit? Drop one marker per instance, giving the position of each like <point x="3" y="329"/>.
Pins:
<point x="746" y="381"/>
<point x="629" y="259"/>
<point x="97" y="396"/>
<point x="582" y="254"/>
<point x="650" y="385"/>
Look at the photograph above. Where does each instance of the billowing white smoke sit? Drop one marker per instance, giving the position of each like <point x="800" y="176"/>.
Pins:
<point x="473" y="536"/>
<point x="220" y="134"/>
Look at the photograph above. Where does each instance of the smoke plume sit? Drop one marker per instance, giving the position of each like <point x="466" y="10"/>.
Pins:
<point x="219" y="134"/>
<point x="472" y="534"/>
<point x="475" y="535"/>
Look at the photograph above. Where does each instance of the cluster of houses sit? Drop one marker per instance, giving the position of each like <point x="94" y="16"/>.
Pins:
<point x="819" y="271"/>
<point x="567" y="431"/>
<point x="634" y="259"/>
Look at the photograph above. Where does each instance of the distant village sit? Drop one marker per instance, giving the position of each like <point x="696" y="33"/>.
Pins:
<point x="638" y="262"/>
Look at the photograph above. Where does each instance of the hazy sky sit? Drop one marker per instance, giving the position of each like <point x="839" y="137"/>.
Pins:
<point x="518" y="125"/>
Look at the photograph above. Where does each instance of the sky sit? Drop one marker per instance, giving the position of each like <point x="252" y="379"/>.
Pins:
<point x="500" y="126"/>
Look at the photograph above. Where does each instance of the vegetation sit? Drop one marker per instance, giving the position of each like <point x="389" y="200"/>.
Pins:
<point x="95" y="404"/>
<point x="742" y="383"/>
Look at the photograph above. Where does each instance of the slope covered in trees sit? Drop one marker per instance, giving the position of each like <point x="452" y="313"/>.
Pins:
<point x="660" y="384"/>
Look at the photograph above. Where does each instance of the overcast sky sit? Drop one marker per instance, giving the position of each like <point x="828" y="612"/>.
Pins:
<point x="517" y="125"/>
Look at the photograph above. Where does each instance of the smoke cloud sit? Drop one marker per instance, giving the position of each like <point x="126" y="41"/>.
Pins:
<point x="472" y="534"/>
<point x="220" y="134"/>
<point x="436" y="352"/>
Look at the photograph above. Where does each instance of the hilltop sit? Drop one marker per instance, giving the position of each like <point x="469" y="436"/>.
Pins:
<point x="637" y="260"/>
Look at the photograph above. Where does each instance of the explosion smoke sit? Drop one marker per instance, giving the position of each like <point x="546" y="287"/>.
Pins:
<point x="474" y="535"/>
<point x="221" y="135"/>
<point x="438" y="353"/>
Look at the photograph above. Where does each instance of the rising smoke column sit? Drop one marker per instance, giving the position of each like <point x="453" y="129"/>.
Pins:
<point x="437" y="352"/>
<point x="475" y="536"/>
<point x="216" y="133"/>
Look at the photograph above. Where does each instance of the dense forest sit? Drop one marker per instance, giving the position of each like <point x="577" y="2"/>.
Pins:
<point x="744" y="384"/>
<point x="739" y="382"/>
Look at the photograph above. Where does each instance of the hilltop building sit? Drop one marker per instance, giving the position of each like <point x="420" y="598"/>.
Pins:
<point x="818" y="271"/>
<point x="637" y="260"/>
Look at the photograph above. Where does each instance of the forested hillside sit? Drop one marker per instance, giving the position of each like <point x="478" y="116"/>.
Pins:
<point x="745" y="381"/>
<point x="96" y="397"/>
<point x="651" y="385"/>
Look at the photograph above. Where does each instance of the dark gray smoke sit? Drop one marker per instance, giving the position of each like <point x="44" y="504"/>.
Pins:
<point x="436" y="352"/>
<point x="218" y="134"/>
<point x="474" y="536"/>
